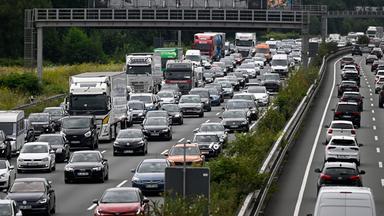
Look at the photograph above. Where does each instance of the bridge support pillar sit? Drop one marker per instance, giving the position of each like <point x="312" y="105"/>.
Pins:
<point x="40" y="53"/>
<point x="305" y="46"/>
<point x="324" y="27"/>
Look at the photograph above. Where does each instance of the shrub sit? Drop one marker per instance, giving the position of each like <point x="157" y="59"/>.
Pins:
<point x="24" y="82"/>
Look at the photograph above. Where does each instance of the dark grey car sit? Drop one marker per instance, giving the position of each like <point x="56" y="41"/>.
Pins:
<point x="235" y="120"/>
<point x="41" y="123"/>
<point x="157" y="127"/>
<point x="130" y="141"/>
<point x="175" y="113"/>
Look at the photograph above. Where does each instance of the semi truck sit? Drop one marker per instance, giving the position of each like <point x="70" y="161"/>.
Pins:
<point x="245" y="43"/>
<point x="210" y="44"/>
<point x="183" y="74"/>
<point x="141" y="76"/>
<point x="100" y="94"/>
<point x="162" y="55"/>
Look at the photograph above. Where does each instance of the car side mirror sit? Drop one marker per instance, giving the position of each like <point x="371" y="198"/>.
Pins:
<point x="133" y="170"/>
<point x="326" y="126"/>
<point x="333" y="109"/>
<point x="220" y="117"/>
<point x="196" y="130"/>
<point x="165" y="154"/>
<point x="360" y="144"/>
<point x="11" y="167"/>
<point x="317" y="170"/>
<point x="362" y="172"/>
<point x="145" y="200"/>
<point x="105" y="160"/>
<point x="223" y="108"/>
<point x="95" y="201"/>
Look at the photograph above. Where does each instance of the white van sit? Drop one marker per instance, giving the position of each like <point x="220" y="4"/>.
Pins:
<point x="194" y="56"/>
<point x="345" y="201"/>
<point x="13" y="125"/>
<point x="280" y="64"/>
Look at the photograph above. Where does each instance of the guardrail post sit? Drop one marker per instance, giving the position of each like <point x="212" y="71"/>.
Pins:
<point x="324" y="27"/>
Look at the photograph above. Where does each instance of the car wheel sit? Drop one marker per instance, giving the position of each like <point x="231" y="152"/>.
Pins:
<point x="48" y="213"/>
<point x="67" y="181"/>
<point x="170" y="136"/>
<point x="102" y="179"/>
<point x="19" y="171"/>
<point x="209" y="109"/>
<point x="201" y="114"/>
<point x="181" y="121"/>
<point x="107" y="176"/>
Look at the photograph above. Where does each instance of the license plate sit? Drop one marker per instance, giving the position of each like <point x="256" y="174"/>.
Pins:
<point x="155" y="134"/>
<point x="205" y="152"/>
<point x="25" y="207"/>
<point x="342" y="156"/>
<point x="128" y="151"/>
<point x="75" y="142"/>
<point x="82" y="174"/>
<point x="31" y="164"/>
<point x="346" y="116"/>
<point x="151" y="186"/>
<point x="233" y="126"/>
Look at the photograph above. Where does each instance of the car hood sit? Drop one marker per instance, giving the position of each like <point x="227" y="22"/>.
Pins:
<point x="57" y="146"/>
<point x="151" y="127"/>
<point x="259" y="95"/>
<point x="150" y="176"/>
<point x="118" y="207"/>
<point x="79" y="131"/>
<point x="125" y="140"/>
<point x="33" y="155"/>
<point x="181" y="105"/>
<point x="39" y="123"/>
<point x="25" y="196"/>
<point x="180" y="158"/>
<point x="84" y="165"/>
<point x="224" y="121"/>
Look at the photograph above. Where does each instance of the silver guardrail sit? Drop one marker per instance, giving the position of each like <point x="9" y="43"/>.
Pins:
<point x="37" y="102"/>
<point x="254" y="203"/>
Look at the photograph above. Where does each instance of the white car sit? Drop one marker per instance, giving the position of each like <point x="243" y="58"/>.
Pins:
<point x="36" y="156"/>
<point x="261" y="94"/>
<point x="379" y="84"/>
<point x="7" y="174"/>
<point x="340" y="128"/>
<point x="167" y="97"/>
<point x="379" y="74"/>
<point x="342" y="148"/>
<point x="259" y="61"/>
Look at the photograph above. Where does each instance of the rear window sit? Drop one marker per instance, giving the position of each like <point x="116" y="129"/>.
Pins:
<point x="340" y="171"/>
<point x="342" y="126"/>
<point x="342" y="142"/>
<point x="347" y="108"/>
<point x="351" y="96"/>
<point x="348" y="59"/>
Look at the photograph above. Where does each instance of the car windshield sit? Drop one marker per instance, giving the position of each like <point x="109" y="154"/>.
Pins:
<point x="27" y="187"/>
<point x="120" y="196"/>
<point x="233" y="114"/>
<point x="208" y="75"/>
<point x="351" y="96"/>
<point x="190" y="99"/>
<point x="347" y="108"/>
<point x="271" y="77"/>
<point x="156" y="121"/>
<point x="256" y="89"/>
<point x="211" y="127"/>
<point x="165" y="94"/>
<point x="237" y="105"/>
<point x="213" y="91"/>
<point x="342" y="126"/>
<point x="152" y="167"/>
<point x="279" y="62"/>
<point x="76" y="123"/>
<point x="226" y="84"/>
<point x="342" y="142"/>
<point x="259" y="58"/>
<point x="52" y="140"/>
<point x="3" y="164"/>
<point x="179" y="150"/>
<point x="332" y="171"/>
<point x="5" y="210"/>
<point x="85" y="157"/>
<point x="34" y="149"/>
<point x="206" y="138"/>
<point x="170" y="107"/>
<point x="54" y="112"/>
<point x="157" y="114"/>
<point x="203" y="94"/>
<point x="136" y="106"/>
<point x="38" y="118"/>
<point x="243" y="97"/>
<point x="130" y="134"/>
<point x="143" y="98"/>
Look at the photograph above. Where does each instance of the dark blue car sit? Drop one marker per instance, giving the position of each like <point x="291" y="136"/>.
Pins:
<point x="215" y="97"/>
<point x="150" y="174"/>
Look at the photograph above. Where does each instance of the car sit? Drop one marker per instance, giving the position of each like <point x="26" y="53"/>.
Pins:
<point x="90" y="165"/>
<point x="261" y="94"/>
<point x="348" y="111"/>
<point x="346" y="60"/>
<point x="171" y="87"/>
<point x="221" y="65"/>
<point x="193" y="156"/>
<point x="216" y="98"/>
<point x="379" y="84"/>
<point x="59" y="144"/>
<point x="158" y="113"/>
<point x="260" y="61"/>
<point x="157" y="127"/>
<point x="271" y="81"/>
<point x="353" y="97"/>
<point x="241" y="79"/>
<point x="370" y="59"/>
<point x="5" y="146"/>
<point x="9" y="208"/>
<point x="214" y="127"/>
<point x="29" y="132"/>
<point x="218" y="87"/>
<point x="41" y="123"/>
<point x="235" y="120"/>
<point x="378" y="52"/>
<point x="379" y="67"/>
<point x="233" y="80"/>
<point x="138" y="110"/>
<point x="205" y="97"/>
<point x="229" y="63"/>
<point x="168" y="96"/>
<point x="356" y="50"/>
<point x="57" y="113"/>
<point x="80" y="132"/>
<point x="248" y="106"/>
<point x="339" y="174"/>
<point x="174" y="112"/>
<point x="351" y="75"/>
<point x="152" y="102"/>
<point x="191" y="105"/>
<point x="36" y="156"/>
<point x="130" y="141"/>
<point x="244" y="96"/>
<point x="340" y="128"/>
<point x="7" y="175"/>
<point x="210" y="143"/>
<point x="217" y="71"/>
<point x="149" y="176"/>
<point x="122" y="201"/>
<point x="342" y="148"/>
<point x="33" y="195"/>
<point x="346" y="85"/>
<point x="208" y="77"/>
<point x="227" y="89"/>
<point x="252" y="69"/>
<point x="378" y="74"/>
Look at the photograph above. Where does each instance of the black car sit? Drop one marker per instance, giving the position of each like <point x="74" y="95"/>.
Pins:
<point x="353" y="97"/>
<point x="271" y="81"/>
<point x="248" y="106"/>
<point x="351" y="76"/>
<point x="33" y="195"/>
<point x="339" y="174"/>
<point x="59" y="144"/>
<point x="138" y="110"/>
<point x="175" y="113"/>
<point x="90" y="165"/>
<point x="348" y="111"/>
<point x="57" y="113"/>
<point x="158" y="113"/>
<point x="130" y="141"/>
<point x="219" y="89"/>
<point x="370" y="59"/>
<point x="41" y="123"/>
<point x="157" y="127"/>
<point x="210" y="143"/>
<point x="356" y="50"/>
<point x="80" y="131"/>
<point x="5" y="146"/>
<point x="235" y="120"/>
<point x="344" y="86"/>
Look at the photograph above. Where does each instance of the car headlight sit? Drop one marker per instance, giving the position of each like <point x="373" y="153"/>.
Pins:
<point x="68" y="168"/>
<point x="165" y="130"/>
<point x="96" y="168"/>
<point x="42" y="201"/>
<point x="177" y="115"/>
<point x="3" y="175"/>
<point x="88" y="134"/>
<point x="135" y="179"/>
<point x="45" y="159"/>
<point x="140" y="114"/>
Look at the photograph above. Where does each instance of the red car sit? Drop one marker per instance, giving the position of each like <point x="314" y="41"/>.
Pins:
<point x="122" y="201"/>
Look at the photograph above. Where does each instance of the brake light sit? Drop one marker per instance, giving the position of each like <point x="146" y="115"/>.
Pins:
<point x="338" y="113"/>
<point x="355" y="113"/>
<point x="354" y="178"/>
<point x="331" y="147"/>
<point x="325" y="177"/>
<point x="330" y="130"/>
<point x="354" y="148"/>
<point x="353" y="131"/>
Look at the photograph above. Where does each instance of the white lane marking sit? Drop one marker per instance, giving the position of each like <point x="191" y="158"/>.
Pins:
<point x="371" y="105"/>
<point x="373" y="111"/>
<point x="370" y="90"/>
<point x="378" y="150"/>
<point x="380" y="164"/>
<point x="382" y="182"/>
<point x="376" y="138"/>
<point x="370" y="94"/>
<point x="103" y="151"/>
<point x="374" y="127"/>
<point x="373" y="119"/>
<point x="369" y="86"/>
<point x="207" y="121"/>
<point x="218" y="113"/>
<point x="371" y="99"/>
<point x="305" y="177"/>
<point x="181" y="140"/>
<point x="165" y="151"/>
<point x="122" y="183"/>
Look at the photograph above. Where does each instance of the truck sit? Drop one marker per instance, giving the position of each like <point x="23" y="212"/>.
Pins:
<point x="183" y="74"/>
<point x="141" y="76"/>
<point x="162" y="55"/>
<point x="245" y="43"/>
<point x="371" y="31"/>
<point x="100" y="94"/>
<point x="210" y="44"/>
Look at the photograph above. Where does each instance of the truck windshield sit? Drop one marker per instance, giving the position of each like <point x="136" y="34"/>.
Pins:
<point x="139" y="69"/>
<point x="193" y="57"/>
<point x="95" y="103"/>
<point x="177" y="75"/>
<point x="7" y="127"/>
<point x="279" y="62"/>
<point x="247" y="43"/>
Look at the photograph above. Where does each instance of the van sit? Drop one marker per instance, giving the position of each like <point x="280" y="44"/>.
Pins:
<point x="264" y="48"/>
<point x="194" y="56"/>
<point x="279" y="64"/>
<point x="12" y="123"/>
<point x="345" y="201"/>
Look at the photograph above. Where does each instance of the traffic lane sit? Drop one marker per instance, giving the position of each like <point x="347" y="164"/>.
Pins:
<point x="283" y="200"/>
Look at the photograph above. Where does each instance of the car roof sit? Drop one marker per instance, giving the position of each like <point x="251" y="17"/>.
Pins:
<point x="123" y="189"/>
<point x="86" y="151"/>
<point x="206" y="133"/>
<point x="343" y="102"/>
<point x="130" y="129"/>
<point x="343" y="138"/>
<point x="341" y="121"/>
<point x="36" y="143"/>
<point x="340" y="164"/>
<point x="187" y="145"/>
<point x="154" y="160"/>
<point x="237" y="100"/>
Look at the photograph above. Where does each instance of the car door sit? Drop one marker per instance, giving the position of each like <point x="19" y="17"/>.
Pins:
<point x="66" y="147"/>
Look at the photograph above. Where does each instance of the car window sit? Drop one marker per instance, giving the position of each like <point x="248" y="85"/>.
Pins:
<point x="85" y="157"/>
<point x="3" y="164"/>
<point x="342" y="142"/>
<point x="203" y="94"/>
<point x="27" y="187"/>
<point x="34" y="149"/>
<point x="341" y="126"/>
<point x="144" y="98"/>
<point x="52" y="140"/>
<point x="136" y="106"/>
<point x="206" y="138"/>
<point x="38" y="118"/>
<point x="347" y="108"/>
<point x="152" y="167"/>
<point x="233" y="114"/>
<point x="340" y="171"/>
<point x="75" y="123"/>
<point x="120" y="197"/>
<point x="130" y="134"/>
<point x="170" y="107"/>
<point x="156" y="121"/>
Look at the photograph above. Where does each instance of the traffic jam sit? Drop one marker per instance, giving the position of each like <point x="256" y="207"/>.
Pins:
<point x="223" y="87"/>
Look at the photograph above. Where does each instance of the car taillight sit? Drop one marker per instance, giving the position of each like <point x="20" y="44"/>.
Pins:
<point x="354" y="148"/>
<point x="331" y="147"/>
<point x="330" y="130"/>
<point x="338" y="113"/>
<point x="325" y="177"/>
<point x="353" y="131"/>
<point x="356" y="113"/>
<point x="354" y="178"/>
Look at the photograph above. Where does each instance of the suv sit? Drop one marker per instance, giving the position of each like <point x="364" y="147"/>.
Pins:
<point x="205" y="97"/>
<point x="343" y="148"/>
<point x="353" y="97"/>
<point x="346" y="60"/>
<point x="80" y="131"/>
<point x="346" y="85"/>
<point x="356" y="51"/>
<point x="348" y="111"/>
<point x="152" y="102"/>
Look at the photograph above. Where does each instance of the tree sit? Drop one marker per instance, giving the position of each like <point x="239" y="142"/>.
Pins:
<point x="363" y="40"/>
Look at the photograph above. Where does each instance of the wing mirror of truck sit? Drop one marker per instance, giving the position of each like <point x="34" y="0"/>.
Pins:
<point x="362" y="172"/>
<point x="317" y="170"/>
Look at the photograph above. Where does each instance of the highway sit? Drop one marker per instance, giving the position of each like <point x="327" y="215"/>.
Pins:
<point x="295" y="189"/>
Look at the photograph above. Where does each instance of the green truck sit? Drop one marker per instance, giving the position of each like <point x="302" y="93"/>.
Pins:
<point x="162" y="55"/>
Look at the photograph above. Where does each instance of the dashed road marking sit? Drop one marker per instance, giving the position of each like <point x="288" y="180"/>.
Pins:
<point x="103" y="151"/>
<point x="370" y="90"/>
<point x="380" y="164"/>
<point x="122" y="183"/>
<point x="181" y="140"/>
<point x="382" y="182"/>
<point x="207" y="121"/>
<point x="369" y="86"/>
<point x="371" y="105"/>
<point x="218" y="113"/>
<point x="378" y="150"/>
<point x="373" y="119"/>
<point x="373" y="111"/>
<point x="376" y="138"/>
<point x="370" y="94"/>
<point x="374" y="127"/>
<point x="371" y="99"/>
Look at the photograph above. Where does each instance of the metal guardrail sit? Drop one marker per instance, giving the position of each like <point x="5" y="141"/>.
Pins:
<point x="34" y="103"/>
<point x="255" y="201"/>
<point x="361" y="14"/>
